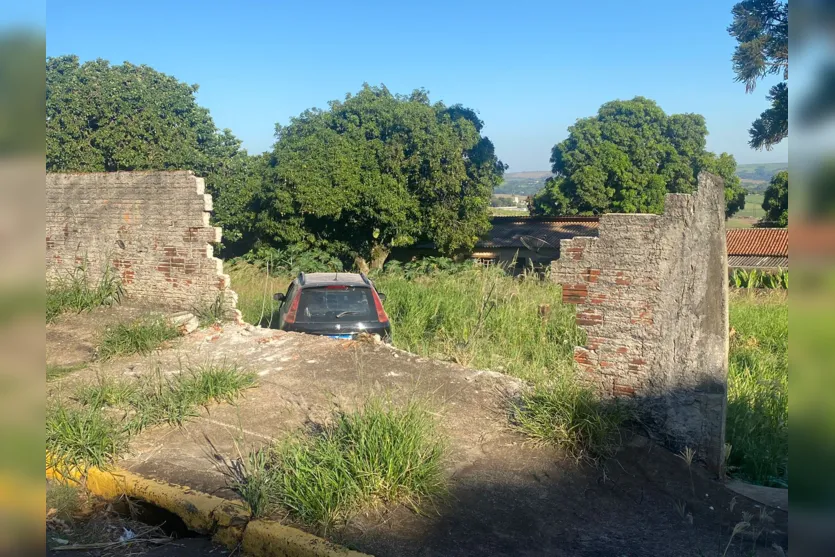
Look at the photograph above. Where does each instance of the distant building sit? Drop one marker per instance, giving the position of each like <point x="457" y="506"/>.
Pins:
<point x="530" y="240"/>
<point x="766" y="249"/>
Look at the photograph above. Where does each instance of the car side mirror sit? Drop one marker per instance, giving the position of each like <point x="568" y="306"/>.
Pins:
<point x="381" y="296"/>
<point x="279" y="297"/>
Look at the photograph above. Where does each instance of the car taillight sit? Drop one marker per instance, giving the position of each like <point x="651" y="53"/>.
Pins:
<point x="294" y="307"/>
<point x="336" y="287"/>
<point x="378" y="305"/>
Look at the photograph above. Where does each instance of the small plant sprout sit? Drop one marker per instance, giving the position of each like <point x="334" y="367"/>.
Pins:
<point x="739" y="527"/>
<point x="681" y="508"/>
<point x="687" y="456"/>
<point x="732" y="504"/>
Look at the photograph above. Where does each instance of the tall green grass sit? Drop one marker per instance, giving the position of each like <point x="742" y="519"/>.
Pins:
<point x="757" y="424"/>
<point x="78" y="292"/>
<point x="255" y="288"/>
<point x="378" y="453"/>
<point x="485" y="319"/>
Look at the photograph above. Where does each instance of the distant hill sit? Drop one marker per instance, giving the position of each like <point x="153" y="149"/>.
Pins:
<point x="755" y="178"/>
<point x="523" y="183"/>
<point x="760" y="172"/>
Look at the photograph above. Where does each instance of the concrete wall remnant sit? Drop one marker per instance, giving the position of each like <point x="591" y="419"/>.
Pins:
<point x="151" y="228"/>
<point x="651" y="292"/>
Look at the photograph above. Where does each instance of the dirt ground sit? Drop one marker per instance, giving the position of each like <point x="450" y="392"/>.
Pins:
<point x="507" y="496"/>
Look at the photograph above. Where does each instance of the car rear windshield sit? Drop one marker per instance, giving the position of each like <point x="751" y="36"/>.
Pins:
<point x="339" y="304"/>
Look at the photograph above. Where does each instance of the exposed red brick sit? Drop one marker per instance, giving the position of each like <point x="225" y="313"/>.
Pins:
<point x="623" y="390"/>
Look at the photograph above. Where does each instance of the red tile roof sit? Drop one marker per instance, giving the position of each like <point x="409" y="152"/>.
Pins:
<point x="758" y="241"/>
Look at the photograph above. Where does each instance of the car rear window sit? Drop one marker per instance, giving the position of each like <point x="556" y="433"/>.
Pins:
<point x="340" y="304"/>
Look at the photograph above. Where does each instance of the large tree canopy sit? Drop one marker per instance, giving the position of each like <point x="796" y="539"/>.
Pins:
<point x="627" y="158"/>
<point x="105" y="118"/>
<point x="761" y="28"/>
<point x="377" y="171"/>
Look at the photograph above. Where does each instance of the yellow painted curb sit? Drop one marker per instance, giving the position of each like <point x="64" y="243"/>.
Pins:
<point x="228" y="522"/>
<point x="265" y="538"/>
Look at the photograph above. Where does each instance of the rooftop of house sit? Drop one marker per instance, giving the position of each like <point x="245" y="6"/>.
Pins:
<point x="771" y="242"/>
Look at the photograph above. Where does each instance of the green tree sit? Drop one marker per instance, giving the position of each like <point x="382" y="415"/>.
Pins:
<point x="761" y="28"/>
<point x="106" y="118"/>
<point x="377" y="171"/>
<point x="627" y="158"/>
<point x="776" y="200"/>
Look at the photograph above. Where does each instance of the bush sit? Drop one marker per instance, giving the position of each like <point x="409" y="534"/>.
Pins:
<point x="377" y="453"/>
<point x="426" y="266"/>
<point x="753" y="278"/>
<point x="293" y="260"/>
<point x="77" y="293"/>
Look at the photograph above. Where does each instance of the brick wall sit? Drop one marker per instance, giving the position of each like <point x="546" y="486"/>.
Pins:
<point x="151" y="228"/>
<point x="651" y="293"/>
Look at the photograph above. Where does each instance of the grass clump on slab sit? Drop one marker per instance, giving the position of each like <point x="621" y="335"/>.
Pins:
<point x="77" y="293"/>
<point x="137" y="337"/>
<point x="757" y="425"/>
<point x="572" y="417"/>
<point x="95" y="430"/>
<point x="78" y="438"/>
<point x="378" y="453"/>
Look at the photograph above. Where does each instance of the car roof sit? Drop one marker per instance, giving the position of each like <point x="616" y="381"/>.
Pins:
<point x="325" y="279"/>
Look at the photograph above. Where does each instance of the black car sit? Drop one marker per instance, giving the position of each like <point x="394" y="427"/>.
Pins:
<point x="339" y="305"/>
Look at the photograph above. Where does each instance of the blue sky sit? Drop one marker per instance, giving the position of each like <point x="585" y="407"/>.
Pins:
<point x="530" y="68"/>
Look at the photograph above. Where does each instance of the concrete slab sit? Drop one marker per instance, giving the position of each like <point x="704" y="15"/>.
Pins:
<point x="507" y="495"/>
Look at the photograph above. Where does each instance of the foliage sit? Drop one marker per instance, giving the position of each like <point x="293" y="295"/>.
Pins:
<point x="77" y="293"/>
<point x="776" y="200"/>
<point x="426" y="266"/>
<point x="757" y="421"/>
<point x="761" y="28"/>
<point x="379" y="452"/>
<point x="138" y="337"/>
<point x="754" y="278"/>
<point x="106" y="118"/>
<point x="627" y="158"/>
<point x="376" y="171"/>
<point x="293" y="260"/>
<point x="562" y="413"/>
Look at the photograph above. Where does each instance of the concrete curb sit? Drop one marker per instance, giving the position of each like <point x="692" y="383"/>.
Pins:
<point x="228" y="522"/>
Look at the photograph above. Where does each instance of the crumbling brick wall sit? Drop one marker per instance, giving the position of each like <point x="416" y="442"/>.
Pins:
<point x="151" y="228"/>
<point x="652" y="294"/>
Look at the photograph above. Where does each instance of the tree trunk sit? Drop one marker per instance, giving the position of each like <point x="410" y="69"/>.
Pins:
<point x="378" y="257"/>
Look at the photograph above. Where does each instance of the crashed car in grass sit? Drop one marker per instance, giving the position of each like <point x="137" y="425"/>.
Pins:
<point x="338" y="305"/>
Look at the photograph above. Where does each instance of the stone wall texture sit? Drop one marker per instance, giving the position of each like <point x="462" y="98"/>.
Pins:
<point x="151" y="228"/>
<point x="652" y="294"/>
